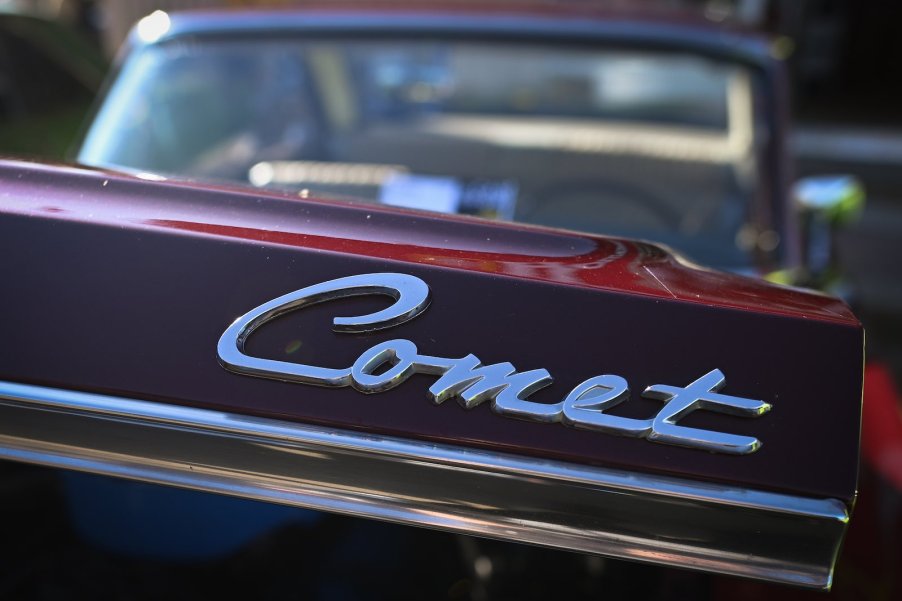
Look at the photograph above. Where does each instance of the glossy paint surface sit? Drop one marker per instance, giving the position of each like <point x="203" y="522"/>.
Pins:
<point x="121" y="285"/>
<point x="374" y="231"/>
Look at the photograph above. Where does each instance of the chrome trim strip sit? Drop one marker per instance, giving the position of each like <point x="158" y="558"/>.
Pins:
<point x="657" y="519"/>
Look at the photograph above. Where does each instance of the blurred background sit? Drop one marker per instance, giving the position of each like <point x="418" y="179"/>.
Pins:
<point x="844" y="116"/>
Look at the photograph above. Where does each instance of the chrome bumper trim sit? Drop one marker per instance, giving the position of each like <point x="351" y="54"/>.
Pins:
<point x="670" y="521"/>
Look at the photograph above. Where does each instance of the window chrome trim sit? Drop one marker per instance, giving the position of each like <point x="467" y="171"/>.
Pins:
<point x="631" y="515"/>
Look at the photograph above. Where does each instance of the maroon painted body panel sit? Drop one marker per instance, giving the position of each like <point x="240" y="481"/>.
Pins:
<point x="120" y="285"/>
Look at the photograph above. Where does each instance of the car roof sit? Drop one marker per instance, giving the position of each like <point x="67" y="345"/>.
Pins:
<point x="561" y="23"/>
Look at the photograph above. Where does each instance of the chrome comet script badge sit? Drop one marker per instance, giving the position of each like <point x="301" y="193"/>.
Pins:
<point x="472" y="383"/>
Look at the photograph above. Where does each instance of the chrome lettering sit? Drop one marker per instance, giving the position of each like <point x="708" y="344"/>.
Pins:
<point x="702" y="394"/>
<point x="471" y="382"/>
<point x="584" y="407"/>
<point x="411" y="296"/>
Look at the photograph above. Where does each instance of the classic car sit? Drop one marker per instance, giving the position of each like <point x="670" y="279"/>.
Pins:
<point x="327" y="344"/>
